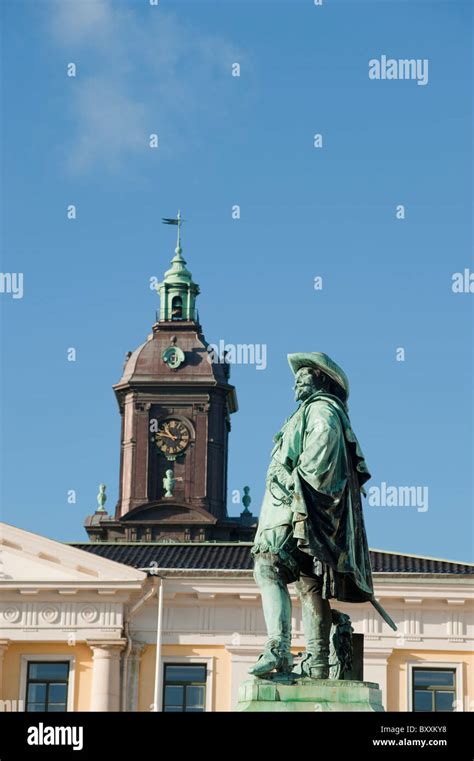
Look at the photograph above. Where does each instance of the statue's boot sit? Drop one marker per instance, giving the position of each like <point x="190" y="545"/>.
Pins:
<point x="317" y="620"/>
<point x="274" y="658"/>
<point x="276" y="605"/>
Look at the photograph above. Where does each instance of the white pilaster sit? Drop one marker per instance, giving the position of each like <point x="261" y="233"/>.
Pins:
<point x="106" y="674"/>
<point x="131" y="700"/>
<point x="241" y="659"/>
<point x="375" y="669"/>
<point x="3" y="648"/>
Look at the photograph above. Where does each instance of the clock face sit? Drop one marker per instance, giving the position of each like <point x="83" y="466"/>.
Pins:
<point x="172" y="437"/>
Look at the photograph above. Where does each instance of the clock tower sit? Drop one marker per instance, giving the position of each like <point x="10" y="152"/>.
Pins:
<point x="175" y="406"/>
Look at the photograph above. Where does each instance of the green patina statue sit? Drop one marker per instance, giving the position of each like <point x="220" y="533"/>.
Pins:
<point x="101" y="499"/>
<point x="311" y="528"/>
<point x="169" y="483"/>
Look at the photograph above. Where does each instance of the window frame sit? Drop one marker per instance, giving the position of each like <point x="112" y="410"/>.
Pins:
<point x="27" y="658"/>
<point x="436" y="666"/>
<point x="190" y="661"/>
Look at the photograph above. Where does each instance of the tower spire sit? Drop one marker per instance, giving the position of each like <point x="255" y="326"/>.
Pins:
<point x="177" y="290"/>
<point x="175" y="221"/>
<point x="178" y="240"/>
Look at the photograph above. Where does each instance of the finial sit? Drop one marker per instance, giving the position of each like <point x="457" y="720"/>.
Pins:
<point x="101" y="499"/>
<point x="178" y="241"/>
<point x="246" y="500"/>
<point x="175" y="221"/>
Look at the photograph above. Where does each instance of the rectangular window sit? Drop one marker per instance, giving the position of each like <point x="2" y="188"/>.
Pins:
<point x="47" y="685"/>
<point x="184" y="688"/>
<point x="434" y="689"/>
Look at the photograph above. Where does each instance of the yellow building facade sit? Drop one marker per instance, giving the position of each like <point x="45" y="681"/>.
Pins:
<point x="78" y="630"/>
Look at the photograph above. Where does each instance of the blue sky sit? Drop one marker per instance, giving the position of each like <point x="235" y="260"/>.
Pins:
<point x="305" y="212"/>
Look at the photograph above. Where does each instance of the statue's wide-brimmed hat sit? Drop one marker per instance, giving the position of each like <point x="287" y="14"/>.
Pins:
<point x="316" y="359"/>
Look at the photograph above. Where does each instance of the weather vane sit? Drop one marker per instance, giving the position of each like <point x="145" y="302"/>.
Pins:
<point x="176" y="221"/>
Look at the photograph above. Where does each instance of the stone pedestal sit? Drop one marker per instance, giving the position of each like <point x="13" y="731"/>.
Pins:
<point x="304" y="694"/>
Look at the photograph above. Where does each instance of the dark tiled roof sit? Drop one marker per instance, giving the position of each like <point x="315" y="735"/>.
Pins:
<point x="190" y="556"/>
<point x="388" y="562"/>
<point x="236" y="556"/>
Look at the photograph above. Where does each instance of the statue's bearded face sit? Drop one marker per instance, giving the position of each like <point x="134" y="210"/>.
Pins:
<point x="304" y="384"/>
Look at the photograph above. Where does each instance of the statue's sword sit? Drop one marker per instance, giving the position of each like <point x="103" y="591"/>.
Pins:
<point x="286" y="499"/>
<point x="283" y="499"/>
<point x="384" y="614"/>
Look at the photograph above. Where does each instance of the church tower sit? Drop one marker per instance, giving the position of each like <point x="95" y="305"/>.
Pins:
<point x="175" y="406"/>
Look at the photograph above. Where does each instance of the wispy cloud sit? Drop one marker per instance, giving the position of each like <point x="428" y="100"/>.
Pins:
<point x="139" y="72"/>
<point x="74" y="23"/>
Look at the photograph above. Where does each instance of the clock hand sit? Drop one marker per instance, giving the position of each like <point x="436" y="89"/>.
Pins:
<point x="168" y="435"/>
<point x="167" y="429"/>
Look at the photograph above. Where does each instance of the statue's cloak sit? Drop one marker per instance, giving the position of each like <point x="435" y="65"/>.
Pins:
<point x="312" y="501"/>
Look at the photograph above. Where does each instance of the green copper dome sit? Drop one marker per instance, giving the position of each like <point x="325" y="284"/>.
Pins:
<point x="178" y="273"/>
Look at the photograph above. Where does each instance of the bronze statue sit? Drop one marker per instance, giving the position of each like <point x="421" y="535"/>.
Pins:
<point x="311" y="527"/>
